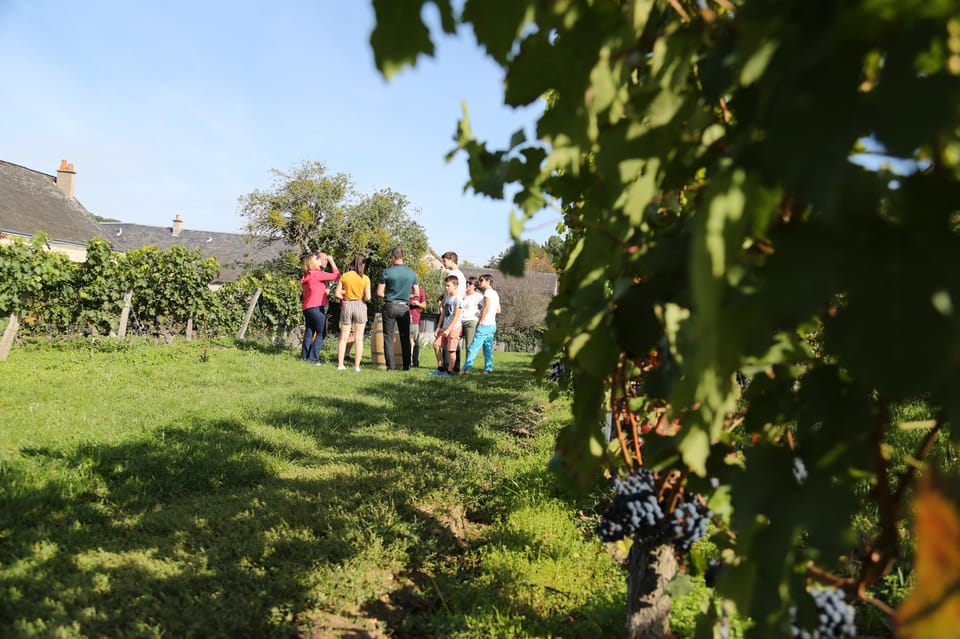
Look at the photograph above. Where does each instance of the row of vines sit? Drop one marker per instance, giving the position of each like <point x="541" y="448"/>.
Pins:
<point x="53" y="296"/>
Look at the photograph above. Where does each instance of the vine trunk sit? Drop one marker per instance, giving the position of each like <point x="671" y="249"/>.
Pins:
<point x="651" y="567"/>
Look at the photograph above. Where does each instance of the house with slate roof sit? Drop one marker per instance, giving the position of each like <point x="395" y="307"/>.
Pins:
<point x="31" y="201"/>
<point x="231" y="250"/>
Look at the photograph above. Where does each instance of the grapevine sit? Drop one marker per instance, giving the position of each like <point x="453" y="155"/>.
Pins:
<point x="762" y="195"/>
<point x="649" y="506"/>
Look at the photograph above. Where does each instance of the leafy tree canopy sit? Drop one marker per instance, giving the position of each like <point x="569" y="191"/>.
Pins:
<point x="555" y="247"/>
<point x="312" y="210"/>
<point x="535" y="258"/>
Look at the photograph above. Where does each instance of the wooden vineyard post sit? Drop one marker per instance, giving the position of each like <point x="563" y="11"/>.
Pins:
<point x="124" y="315"/>
<point x="190" y="328"/>
<point x="9" y="334"/>
<point x="246" y="320"/>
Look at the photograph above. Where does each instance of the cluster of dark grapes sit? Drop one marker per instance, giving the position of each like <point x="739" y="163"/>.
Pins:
<point x="688" y="523"/>
<point x="834" y="614"/>
<point x="636" y="512"/>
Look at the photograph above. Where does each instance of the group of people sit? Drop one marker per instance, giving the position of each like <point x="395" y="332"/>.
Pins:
<point x="468" y="309"/>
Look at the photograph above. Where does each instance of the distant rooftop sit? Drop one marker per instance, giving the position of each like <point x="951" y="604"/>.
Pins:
<point x="542" y="283"/>
<point x="232" y="250"/>
<point x="31" y="201"/>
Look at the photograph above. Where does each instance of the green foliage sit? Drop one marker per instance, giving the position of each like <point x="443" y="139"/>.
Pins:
<point x="99" y="292"/>
<point x="373" y="226"/>
<point x="431" y="282"/>
<point x="297" y="206"/>
<point x="702" y="153"/>
<point x="169" y="286"/>
<point x="28" y="274"/>
<point x="555" y="247"/>
<point x="56" y="297"/>
<point x="521" y="341"/>
<point x="278" y="308"/>
<point x="530" y="255"/>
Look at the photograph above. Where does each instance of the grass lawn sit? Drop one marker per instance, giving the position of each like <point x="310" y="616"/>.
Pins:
<point x="208" y="490"/>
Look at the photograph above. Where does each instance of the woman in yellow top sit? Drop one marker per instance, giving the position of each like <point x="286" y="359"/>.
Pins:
<point x="354" y="291"/>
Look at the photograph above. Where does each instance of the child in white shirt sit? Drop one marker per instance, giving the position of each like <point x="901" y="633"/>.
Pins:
<point x="486" y="327"/>
<point x="470" y="311"/>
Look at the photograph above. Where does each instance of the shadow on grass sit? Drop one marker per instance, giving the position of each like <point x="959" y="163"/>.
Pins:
<point x="200" y="531"/>
<point x="449" y="409"/>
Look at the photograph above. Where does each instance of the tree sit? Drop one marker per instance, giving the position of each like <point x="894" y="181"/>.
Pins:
<point x="535" y="258"/>
<point x="718" y="231"/>
<point x="297" y="206"/>
<point x="555" y="248"/>
<point x="376" y="224"/>
<point x="311" y="211"/>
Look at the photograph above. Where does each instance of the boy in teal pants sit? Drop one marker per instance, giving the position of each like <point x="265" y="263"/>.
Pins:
<point x="486" y="327"/>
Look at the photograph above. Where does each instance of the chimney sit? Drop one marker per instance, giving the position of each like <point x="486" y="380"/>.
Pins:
<point x="177" y="225"/>
<point x="66" y="177"/>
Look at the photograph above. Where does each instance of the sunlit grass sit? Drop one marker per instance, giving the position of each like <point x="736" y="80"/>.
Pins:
<point x="208" y="490"/>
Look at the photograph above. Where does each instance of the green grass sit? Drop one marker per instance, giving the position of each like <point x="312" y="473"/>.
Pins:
<point x="213" y="491"/>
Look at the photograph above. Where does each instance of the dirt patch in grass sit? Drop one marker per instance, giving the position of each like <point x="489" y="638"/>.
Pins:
<point x="326" y="625"/>
<point x="455" y="520"/>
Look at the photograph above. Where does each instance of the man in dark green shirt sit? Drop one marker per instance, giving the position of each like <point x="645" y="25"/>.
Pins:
<point x="395" y="286"/>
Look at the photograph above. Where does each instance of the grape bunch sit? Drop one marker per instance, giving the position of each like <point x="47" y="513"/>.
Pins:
<point x="835" y="616"/>
<point x="688" y="523"/>
<point x="635" y="510"/>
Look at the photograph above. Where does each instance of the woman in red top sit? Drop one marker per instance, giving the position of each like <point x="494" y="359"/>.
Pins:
<point x="314" y="283"/>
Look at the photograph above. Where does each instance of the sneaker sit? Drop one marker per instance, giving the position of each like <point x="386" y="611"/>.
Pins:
<point x="341" y="367"/>
<point x="318" y="363"/>
<point x="436" y="373"/>
<point x="356" y="368"/>
<point x="444" y="374"/>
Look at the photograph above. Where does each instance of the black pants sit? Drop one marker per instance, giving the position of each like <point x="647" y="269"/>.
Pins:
<point x="396" y="315"/>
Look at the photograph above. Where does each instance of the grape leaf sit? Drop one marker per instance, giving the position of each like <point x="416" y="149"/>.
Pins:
<point x="933" y="607"/>
<point x="400" y="35"/>
<point x="497" y="23"/>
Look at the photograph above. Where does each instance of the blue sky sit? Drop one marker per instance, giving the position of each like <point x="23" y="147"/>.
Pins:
<point x="180" y="107"/>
